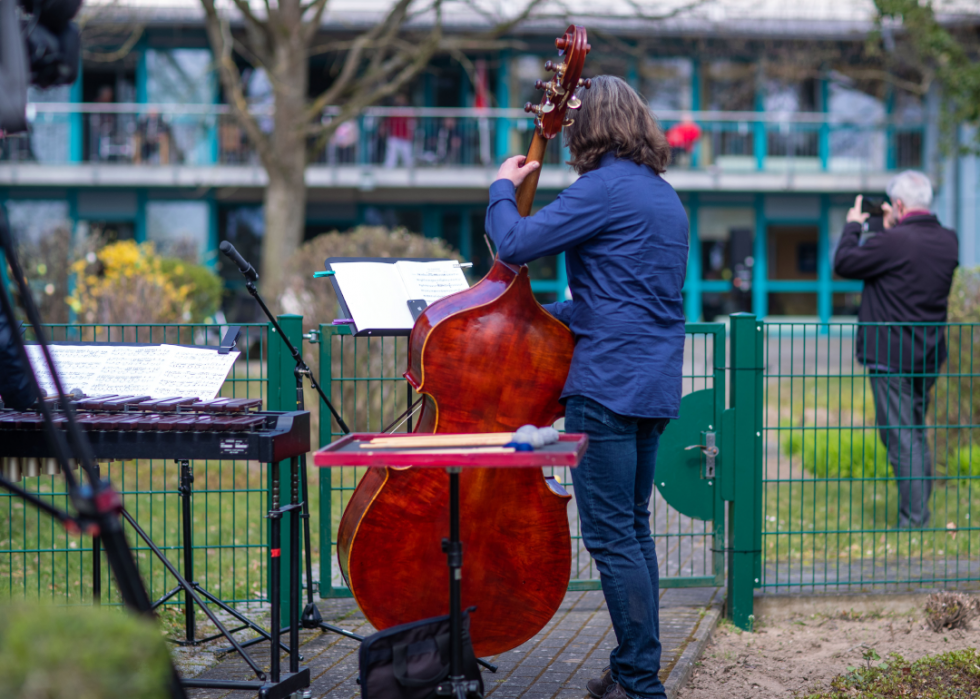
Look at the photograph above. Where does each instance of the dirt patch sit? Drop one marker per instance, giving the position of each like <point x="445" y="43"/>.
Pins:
<point x="804" y="653"/>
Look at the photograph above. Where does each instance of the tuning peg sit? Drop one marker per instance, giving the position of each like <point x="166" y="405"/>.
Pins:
<point x="561" y="42"/>
<point x="567" y="122"/>
<point x="549" y="66"/>
<point x="546" y="107"/>
<point x="540" y="85"/>
<point x="574" y="102"/>
<point x="528" y="107"/>
<point x="585" y="82"/>
<point x="588" y="47"/>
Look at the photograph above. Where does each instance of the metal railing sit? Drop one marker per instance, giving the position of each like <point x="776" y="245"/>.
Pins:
<point x="196" y="135"/>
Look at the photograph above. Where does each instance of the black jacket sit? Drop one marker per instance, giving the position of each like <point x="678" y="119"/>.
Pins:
<point x="907" y="272"/>
<point x="15" y="384"/>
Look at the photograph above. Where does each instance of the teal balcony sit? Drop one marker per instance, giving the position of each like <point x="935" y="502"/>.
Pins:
<point x="426" y="142"/>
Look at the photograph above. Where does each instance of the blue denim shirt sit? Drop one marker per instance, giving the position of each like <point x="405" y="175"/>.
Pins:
<point x="624" y="233"/>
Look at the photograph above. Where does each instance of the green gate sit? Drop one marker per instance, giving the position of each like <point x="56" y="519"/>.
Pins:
<point x="363" y="377"/>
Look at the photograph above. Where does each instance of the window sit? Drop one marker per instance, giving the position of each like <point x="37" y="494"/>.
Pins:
<point x="33" y="221"/>
<point x="730" y="86"/>
<point x="665" y="83"/>
<point x="857" y="112"/>
<point x="178" y="228"/>
<point x="178" y="76"/>
<point x="243" y="227"/>
<point x="49" y="132"/>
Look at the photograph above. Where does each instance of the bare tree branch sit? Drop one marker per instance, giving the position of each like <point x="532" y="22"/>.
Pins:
<point x="118" y="54"/>
<point x="319" y="7"/>
<point x="353" y="60"/>
<point x="219" y="33"/>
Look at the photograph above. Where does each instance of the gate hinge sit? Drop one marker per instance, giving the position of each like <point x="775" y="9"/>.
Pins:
<point x="710" y="452"/>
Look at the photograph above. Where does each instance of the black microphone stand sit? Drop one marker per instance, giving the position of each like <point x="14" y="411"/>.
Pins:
<point x="98" y="505"/>
<point x="311" y="617"/>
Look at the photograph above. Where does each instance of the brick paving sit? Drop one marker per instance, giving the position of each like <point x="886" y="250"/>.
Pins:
<point x="555" y="664"/>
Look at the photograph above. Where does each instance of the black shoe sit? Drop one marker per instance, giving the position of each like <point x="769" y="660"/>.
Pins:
<point x="615" y="691"/>
<point x="598" y="686"/>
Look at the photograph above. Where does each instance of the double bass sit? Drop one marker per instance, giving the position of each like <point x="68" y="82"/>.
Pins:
<point x="487" y="359"/>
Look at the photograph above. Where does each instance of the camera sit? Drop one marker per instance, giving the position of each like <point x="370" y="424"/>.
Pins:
<point x="871" y="205"/>
<point x="40" y="47"/>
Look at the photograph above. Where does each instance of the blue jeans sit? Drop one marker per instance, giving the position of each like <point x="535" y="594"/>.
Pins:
<point x="613" y="486"/>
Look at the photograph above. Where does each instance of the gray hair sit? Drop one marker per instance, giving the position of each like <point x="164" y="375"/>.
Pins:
<point x="913" y="188"/>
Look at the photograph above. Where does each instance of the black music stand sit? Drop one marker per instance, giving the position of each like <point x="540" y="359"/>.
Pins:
<point x="568" y="451"/>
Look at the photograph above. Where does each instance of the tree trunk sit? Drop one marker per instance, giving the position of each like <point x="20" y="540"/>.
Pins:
<point x="285" y="219"/>
<point x="285" y="196"/>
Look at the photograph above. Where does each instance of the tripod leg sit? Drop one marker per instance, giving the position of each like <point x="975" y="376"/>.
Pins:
<point x="97" y="560"/>
<point x="187" y="586"/>
<point x="186" y="479"/>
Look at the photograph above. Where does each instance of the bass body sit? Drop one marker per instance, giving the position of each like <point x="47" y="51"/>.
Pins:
<point x="514" y="522"/>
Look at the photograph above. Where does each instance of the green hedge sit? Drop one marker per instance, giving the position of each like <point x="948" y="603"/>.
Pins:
<point x="837" y="452"/>
<point x="49" y="652"/>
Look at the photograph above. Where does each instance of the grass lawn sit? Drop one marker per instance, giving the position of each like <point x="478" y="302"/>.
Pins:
<point x="848" y="520"/>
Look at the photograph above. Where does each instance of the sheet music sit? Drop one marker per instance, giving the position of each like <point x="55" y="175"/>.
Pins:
<point x="191" y="372"/>
<point x="78" y="366"/>
<point x="158" y="371"/>
<point x="431" y="280"/>
<point x="129" y="371"/>
<point x="375" y="295"/>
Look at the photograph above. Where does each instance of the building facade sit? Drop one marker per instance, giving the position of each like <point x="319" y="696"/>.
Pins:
<point x="772" y="141"/>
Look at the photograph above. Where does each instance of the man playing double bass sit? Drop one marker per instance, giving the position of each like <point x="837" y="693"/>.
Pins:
<point x="624" y="233"/>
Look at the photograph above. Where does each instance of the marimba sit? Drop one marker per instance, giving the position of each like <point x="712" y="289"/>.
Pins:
<point x="139" y="427"/>
<point x="124" y="428"/>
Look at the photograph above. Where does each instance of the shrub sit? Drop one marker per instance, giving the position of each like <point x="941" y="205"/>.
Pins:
<point x="315" y="300"/>
<point x="964" y="463"/>
<point x="126" y="282"/>
<point x="951" y="610"/>
<point x="204" y="286"/>
<point x="838" y="453"/>
<point x="47" y="264"/>
<point x="957" y="393"/>
<point x="80" y="653"/>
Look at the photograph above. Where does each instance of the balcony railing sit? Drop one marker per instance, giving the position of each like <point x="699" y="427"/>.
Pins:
<point x="421" y="138"/>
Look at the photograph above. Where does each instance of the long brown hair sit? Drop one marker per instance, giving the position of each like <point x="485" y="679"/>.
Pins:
<point x="614" y="118"/>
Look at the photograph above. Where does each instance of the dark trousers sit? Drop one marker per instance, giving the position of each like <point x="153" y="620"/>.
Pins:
<point x="613" y="486"/>
<point x="900" y="413"/>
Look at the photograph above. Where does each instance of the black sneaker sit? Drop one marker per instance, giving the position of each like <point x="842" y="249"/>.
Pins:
<point x="615" y="691"/>
<point x="598" y="686"/>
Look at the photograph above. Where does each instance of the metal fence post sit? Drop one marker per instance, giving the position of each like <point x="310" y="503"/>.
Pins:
<point x="744" y="513"/>
<point x="326" y="484"/>
<point x="282" y="396"/>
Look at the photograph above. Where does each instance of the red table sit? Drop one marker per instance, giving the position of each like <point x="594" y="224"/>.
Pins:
<point x="348" y="451"/>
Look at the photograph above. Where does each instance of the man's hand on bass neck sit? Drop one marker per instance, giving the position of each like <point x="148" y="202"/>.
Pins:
<point x="515" y="170"/>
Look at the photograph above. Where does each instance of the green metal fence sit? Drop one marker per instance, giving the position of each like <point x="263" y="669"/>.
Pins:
<point x="831" y="502"/>
<point x="38" y="558"/>
<point x="805" y="499"/>
<point x="363" y="377"/>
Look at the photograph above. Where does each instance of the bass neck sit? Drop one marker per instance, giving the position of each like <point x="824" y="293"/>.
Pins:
<point x="525" y="193"/>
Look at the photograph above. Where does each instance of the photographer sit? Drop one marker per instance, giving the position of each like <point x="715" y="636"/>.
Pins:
<point x="39" y="45"/>
<point x="907" y="270"/>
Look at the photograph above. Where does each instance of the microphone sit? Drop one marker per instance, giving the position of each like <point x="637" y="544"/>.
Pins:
<point x="247" y="270"/>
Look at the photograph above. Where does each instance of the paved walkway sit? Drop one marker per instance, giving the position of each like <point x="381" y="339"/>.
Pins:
<point x="556" y="663"/>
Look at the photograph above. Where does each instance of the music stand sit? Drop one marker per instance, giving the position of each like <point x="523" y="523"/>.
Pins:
<point x="348" y="451"/>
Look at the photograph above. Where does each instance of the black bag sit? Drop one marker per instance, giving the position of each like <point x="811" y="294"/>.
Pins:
<point x="409" y="661"/>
